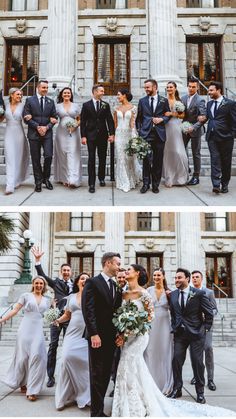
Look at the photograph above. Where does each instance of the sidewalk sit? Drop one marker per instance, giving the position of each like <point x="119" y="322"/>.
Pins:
<point x="200" y="195"/>
<point x="14" y="404"/>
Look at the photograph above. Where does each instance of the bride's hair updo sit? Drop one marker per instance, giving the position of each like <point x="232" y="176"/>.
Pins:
<point x="143" y="277"/>
<point x="127" y="93"/>
<point x="177" y="96"/>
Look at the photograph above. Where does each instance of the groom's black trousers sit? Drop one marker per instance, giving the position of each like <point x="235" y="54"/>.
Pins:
<point x="100" y="365"/>
<point x="152" y="167"/>
<point x="181" y="343"/>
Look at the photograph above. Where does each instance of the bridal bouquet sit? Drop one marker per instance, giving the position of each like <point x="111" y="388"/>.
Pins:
<point x="179" y="107"/>
<point x="51" y="315"/>
<point x="138" y="146"/>
<point x="130" y="321"/>
<point x="185" y="127"/>
<point x="69" y="123"/>
<point x="2" y="112"/>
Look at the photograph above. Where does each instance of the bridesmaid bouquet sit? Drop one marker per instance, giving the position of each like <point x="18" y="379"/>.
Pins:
<point x="130" y="321"/>
<point x="2" y="112"/>
<point x="51" y="315"/>
<point x="69" y="123"/>
<point x="138" y="146"/>
<point x="179" y="107"/>
<point x="185" y="127"/>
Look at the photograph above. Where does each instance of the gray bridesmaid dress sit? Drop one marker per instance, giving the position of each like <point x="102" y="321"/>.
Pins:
<point x="29" y="363"/>
<point x="159" y="352"/>
<point x="73" y="382"/>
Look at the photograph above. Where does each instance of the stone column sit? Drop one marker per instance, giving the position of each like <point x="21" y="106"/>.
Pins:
<point x="162" y="41"/>
<point x="42" y="226"/>
<point x="190" y="254"/>
<point x="115" y="233"/>
<point x="62" y="40"/>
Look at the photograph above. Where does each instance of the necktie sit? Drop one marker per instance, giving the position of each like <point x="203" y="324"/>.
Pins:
<point x="111" y="287"/>
<point x="68" y="288"/>
<point x="215" y="108"/>
<point x="182" y="301"/>
<point x="97" y="105"/>
<point x="152" y="105"/>
<point x="41" y="103"/>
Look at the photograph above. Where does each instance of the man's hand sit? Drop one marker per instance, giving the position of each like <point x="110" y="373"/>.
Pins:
<point x="111" y="138"/>
<point x="96" y="341"/>
<point x="84" y="140"/>
<point x="42" y="131"/>
<point x="120" y="341"/>
<point x="190" y="130"/>
<point x="28" y="117"/>
<point x="37" y="253"/>
<point x="53" y="121"/>
<point x="202" y="118"/>
<point x="157" y="121"/>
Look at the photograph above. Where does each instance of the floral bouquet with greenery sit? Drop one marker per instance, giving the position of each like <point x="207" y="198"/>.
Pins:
<point x="2" y="112"/>
<point x="130" y="321"/>
<point x="51" y="315"/>
<point x="185" y="127"/>
<point x="69" y="123"/>
<point x="179" y="107"/>
<point x="138" y="146"/>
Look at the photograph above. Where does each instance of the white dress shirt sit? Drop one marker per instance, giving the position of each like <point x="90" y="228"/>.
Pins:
<point x="186" y="293"/>
<point x="154" y="101"/>
<point x="95" y="103"/>
<point x="189" y="100"/>
<point x="219" y="100"/>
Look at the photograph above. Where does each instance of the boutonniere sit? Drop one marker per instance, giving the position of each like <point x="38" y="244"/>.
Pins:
<point x="117" y="286"/>
<point x="223" y="102"/>
<point x="162" y="99"/>
<point x="191" y="295"/>
<point x="103" y="105"/>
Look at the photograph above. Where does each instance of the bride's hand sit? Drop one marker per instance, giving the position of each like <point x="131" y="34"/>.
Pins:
<point x="120" y="341"/>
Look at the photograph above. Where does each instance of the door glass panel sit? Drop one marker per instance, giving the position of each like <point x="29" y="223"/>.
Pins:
<point x="17" y="63"/>
<point x="223" y="279"/>
<point x="192" y="60"/>
<point x="81" y="264"/>
<point x="209" y="61"/>
<point x="32" y="60"/>
<point x="103" y="63"/>
<point x="210" y="274"/>
<point x="120" y="63"/>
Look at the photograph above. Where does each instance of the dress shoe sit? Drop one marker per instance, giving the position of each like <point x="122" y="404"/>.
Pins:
<point x="51" y="382"/>
<point x="48" y="184"/>
<point x="224" y="189"/>
<point x="144" y="189"/>
<point x="38" y="187"/>
<point x="92" y="189"/>
<point x="194" y="181"/>
<point x="216" y="189"/>
<point x="155" y="189"/>
<point x="175" y="394"/>
<point x="8" y="193"/>
<point x="102" y="183"/>
<point x="211" y="385"/>
<point x="201" y="399"/>
<point x="193" y="381"/>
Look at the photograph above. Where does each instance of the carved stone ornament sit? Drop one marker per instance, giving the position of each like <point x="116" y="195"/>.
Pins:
<point x="111" y="24"/>
<point x="149" y="243"/>
<point x="21" y="25"/>
<point x="80" y="243"/>
<point x="219" y="244"/>
<point x="204" y="23"/>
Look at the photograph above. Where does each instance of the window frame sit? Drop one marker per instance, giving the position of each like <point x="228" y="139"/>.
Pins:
<point x="81" y="256"/>
<point x="82" y="218"/>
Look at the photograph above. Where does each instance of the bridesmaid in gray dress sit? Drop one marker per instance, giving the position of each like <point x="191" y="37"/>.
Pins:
<point x="73" y="382"/>
<point x="28" y="367"/>
<point x="15" y="143"/>
<point x="175" y="161"/>
<point x="67" y="146"/>
<point x="159" y="353"/>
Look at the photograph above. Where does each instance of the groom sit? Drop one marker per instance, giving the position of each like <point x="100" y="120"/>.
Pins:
<point x="150" y="124"/>
<point x="101" y="297"/>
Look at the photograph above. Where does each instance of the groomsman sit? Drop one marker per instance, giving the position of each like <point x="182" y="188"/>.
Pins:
<point x="40" y="135"/>
<point x="221" y="130"/>
<point x="62" y="288"/>
<point x="194" y="107"/>
<point x="197" y="279"/>
<point x="97" y="129"/>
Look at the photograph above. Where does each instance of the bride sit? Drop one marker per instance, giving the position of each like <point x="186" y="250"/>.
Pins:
<point x="136" y="393"/>
<point x="128" y="170"/>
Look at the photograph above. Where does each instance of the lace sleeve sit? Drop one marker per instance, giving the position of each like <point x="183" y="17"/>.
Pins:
<point x="148" y="305"/>
<point x="132" y="121"/>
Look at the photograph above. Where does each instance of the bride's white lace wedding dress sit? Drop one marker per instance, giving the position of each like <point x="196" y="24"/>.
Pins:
<point x="128" y="169"/>
<point x="136" y="393"/>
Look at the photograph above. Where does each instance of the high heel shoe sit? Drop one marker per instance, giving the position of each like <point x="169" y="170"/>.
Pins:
<point x="32" y="398"/>
<point x="23" y="389"/>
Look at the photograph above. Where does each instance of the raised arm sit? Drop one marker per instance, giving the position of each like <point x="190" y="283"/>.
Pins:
<point x="38" y="255"/>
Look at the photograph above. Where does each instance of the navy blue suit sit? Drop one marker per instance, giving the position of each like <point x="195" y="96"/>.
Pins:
<point x="155" y="135"/>
<point x="39" y="118"/>
<point x="220" y="135"/>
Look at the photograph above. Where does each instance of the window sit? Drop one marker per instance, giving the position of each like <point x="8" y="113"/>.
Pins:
<point x="150" y="261"/>
<point x="106" y="4"/>
<point x="112" y="66"/>
<point x="81" y="262"/>
<point x="202" y="3"/>
<point x="218" y="272"/>
<point x="203" y="59"/>
<point x="81" y="221"/>
<point x="148" y="221"/>
<point x="22" y="5"/>
<point x="216" y="221"/>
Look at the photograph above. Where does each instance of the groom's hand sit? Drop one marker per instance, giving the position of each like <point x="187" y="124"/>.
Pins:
<point x="84" y="140"/>
<point x="157" y="121"/>
<point x="96" y="341"/>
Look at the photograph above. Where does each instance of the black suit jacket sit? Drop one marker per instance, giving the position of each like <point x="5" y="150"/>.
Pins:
<point x="144" y="123"/>
<point x="197" y="316"/>
<point x="39" y="118"/>
<point x="96" y="125"/>
<point x="2" y="104"/>
<point x="223" y="126"/>
<point x="98" y="308"/>
<point x="58" y="285"/>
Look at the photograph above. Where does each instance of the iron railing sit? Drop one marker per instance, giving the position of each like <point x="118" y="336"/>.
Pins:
<point x="72" y="84"/>
<point x="33" y="80"/>
<point x="227" y="91"/>
<point x="220" y="292"/>
<point x="2" y="315"/>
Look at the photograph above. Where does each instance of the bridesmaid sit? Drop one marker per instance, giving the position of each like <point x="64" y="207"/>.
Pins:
<point x="28" y="367"/>
<point x="67" y="146"/>
<point x="73" y="383"/>
<point x="159" y="352"/>
<point x="15" y="143"/>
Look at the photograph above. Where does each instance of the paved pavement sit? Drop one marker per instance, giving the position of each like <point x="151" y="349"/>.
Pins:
<point x="200" y="195"/>
<point x="14" y="404"/>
